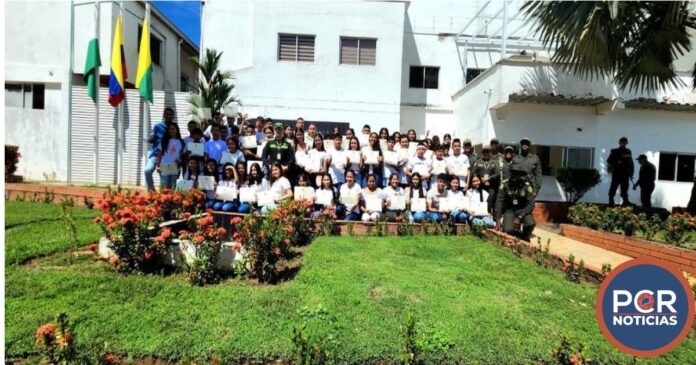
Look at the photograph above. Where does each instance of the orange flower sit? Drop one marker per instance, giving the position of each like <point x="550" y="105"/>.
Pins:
<point x="183" y="233"/>
<point x="48" y="330"/>
<point x="92" y="247"/>
<point x="198" y="238"/>
<point x="276" y="250"/>
<point x="110" y="358"/>
<point x="166" y="233"/>
<point x="235" y="221"/>
<point x="113" y="260"/>
<point x="236" y="246"/>
<point x="288" y="229"/>
<point x="287" y="241"/>
<point x="221" y="232"/>
<point x="65" y="339"/>
<point x="97" y="220"/>
<point x="147" y="255"/>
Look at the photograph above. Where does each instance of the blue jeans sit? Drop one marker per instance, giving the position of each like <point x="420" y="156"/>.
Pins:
<point x="352" y="217"/>
<point x="340" y="210"/>
<point x="487" y="221"/>
<point x="434" y="216"/>
<point x="210" y="204"/>
<point x="168" y="182"/>
<point x="418" y="217"/>
<point x="244" y="208"/>
<point x="149" y="170"/>
<point x="225" y="206"/>
<point x="458" y="216"/>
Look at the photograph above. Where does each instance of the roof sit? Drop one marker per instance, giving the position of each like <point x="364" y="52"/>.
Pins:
<point x="652" y="104"/>
<point x="554" y="99"/>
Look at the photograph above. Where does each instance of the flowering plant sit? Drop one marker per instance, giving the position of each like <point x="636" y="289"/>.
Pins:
<point x="56" y="341"/>
<point x="206" y="241"/>
<point x="679" y="228"/>
<point x="585" y="215"/>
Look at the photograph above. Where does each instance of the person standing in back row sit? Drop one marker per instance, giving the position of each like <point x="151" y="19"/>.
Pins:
<point x="646" y="180"/>
<point x="156" y="136"/>
<point x="530" y="163"/>
<point x="620" y="165"/>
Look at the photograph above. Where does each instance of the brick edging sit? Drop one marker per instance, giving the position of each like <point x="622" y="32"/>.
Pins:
<point x="683" y="259"/>
<point x="38" y="191"/>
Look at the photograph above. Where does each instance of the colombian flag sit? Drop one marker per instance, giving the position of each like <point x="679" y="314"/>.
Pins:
<point x="118" y="67"/>
<point x="143" y="78"/>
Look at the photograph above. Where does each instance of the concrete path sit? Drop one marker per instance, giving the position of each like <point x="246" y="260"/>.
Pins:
<point x="563" y="247"/>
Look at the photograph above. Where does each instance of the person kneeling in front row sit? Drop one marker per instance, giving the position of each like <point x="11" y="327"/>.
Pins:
<point x="515" y="202"/>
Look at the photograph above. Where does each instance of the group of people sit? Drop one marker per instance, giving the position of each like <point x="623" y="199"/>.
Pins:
<point x="244" y="166"/>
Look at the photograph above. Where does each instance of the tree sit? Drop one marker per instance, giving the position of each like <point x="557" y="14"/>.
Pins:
<point x="577" y="182"/>
<point x="214" y="88"/>
<point x="633" y="42"/>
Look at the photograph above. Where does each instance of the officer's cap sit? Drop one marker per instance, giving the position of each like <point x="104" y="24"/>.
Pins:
<point x="525" y="140"/>
<point x="467" y="142"/>
<point x="642" y="157"/>
<point x="278" y="125"/>
<point x="486" y="148"/>
<point x="509" y="148"/>
<point x="495" y="141"/>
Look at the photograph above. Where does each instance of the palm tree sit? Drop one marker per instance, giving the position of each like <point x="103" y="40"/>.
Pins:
<point x="633" y="42"/>
<point x="214" y="90"/>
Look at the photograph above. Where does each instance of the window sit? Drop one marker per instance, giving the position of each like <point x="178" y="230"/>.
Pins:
<point x="27" y="96"/>
<point x="472" y="73"/>
<point x="358" y="51"/>
<point x="184" y="83"/>
<point x="578" y="157"/>
<point x="553" y="157"/>
<point x="155" y="46"/>
<point x="676" y="167"/>
<point x="296" y="48"/>
<point x="424" y="77"/>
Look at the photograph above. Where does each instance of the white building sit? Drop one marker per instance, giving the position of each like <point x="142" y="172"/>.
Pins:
<point x="38" y="76"/>
<point x="404" y="65"/>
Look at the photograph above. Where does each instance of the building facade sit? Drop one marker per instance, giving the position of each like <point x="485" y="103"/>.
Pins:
<point x="38" y="74"/>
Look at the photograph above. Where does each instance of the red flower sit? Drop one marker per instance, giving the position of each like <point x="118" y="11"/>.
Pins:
<point x="288" y="229"/>
<point x="147" y="255"/>
<point x="287" y="241"/>
<point x="110" y="358"/>
<point x="92" y="247"/>
<point x="198" y="238"/>
<point x="186" y="215"/>
<point x="48" y="330"/>
<point x="97" y="220"/>
<point x="235" y="221"/>
<point x="65" y="340"/>
<point x="113" y="260"/>
<point x="236" y="246"/>
<point x="276" y="250"/>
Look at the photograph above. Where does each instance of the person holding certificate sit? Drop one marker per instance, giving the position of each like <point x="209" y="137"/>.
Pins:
<point x="233" y="154"/>
<point x="373" y="159"/>
<point x="326" y="199"/>
<point x="194" y="146"/>
<point x="355" y="161"/>
<point x="395" y="197"/>
<point x="436" y="193"/>
<point x="439" y="164"/>
<point x="169" y="157"/>
<point x="302" y="191"/>
<point x="208" y="182"/>
<point x="254" y="183"/>
<point x="249" y="150"/>
<point x="391" y="161"/>
<point x="372" y="201"/>
<point x="415" y="195"/>
<point x="350" y="196"/>
<point x="458" y="164"/>
<point x="317" y="161"/>
<point x="338" y="162"/>
<point x="478" y="195"/>
<point x="280" y="188"/>
<point x="420" y="164"/>
<point x="404" y="157"/>
<point x="456" y="197"/>
<point x="226" y="191"/>
<point x="192" y="171"/>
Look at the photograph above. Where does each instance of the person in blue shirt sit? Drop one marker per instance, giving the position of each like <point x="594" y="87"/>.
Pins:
<point x="155" y="139"/>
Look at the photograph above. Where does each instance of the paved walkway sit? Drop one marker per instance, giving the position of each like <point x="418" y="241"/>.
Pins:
<point x="593" y="256"/>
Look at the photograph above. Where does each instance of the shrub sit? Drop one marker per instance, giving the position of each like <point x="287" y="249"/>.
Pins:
<point x="12" y="156"/>
<point x="568" y="353"/>
<point x="585" y="215"/>
<point x="649" y="226"/>
<point x="679" y="228"/>
<point x="424" y="346"/>
<point x="572" y="271"/>
<point x="620" y="219"/>
<point x="206" y="241"/>
<point x="315" y="337"/>
<point x="55" y="341"/>
<point x="577" y="182"/>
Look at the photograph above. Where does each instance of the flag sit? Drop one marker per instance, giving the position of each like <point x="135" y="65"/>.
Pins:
<point x="117" y="88"/>
<point x="91" y="65"/>
<point x="143" y="79"/>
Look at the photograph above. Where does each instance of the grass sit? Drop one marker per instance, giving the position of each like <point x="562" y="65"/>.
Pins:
<point x="36" y="229"/>
<point x="493" y="306"/>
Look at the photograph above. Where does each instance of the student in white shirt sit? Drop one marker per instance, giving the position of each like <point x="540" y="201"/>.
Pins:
<point x="170" y="153"/>
<point x="280" y="188"/>
<point x="433" y="199"/>
<point x="350" y="196"/>
<point x="393" y="190"/>
<point x="318" y="154"/>
<point x="458" y="158"/>
<point x="404" y="156"/>
<point x="192" y="171"/>
<point x="356" y="167"/>
<point x="477" y="195"/>
<point x="191" y="126"/>
<point x="457" y="216"/>
<point x="235" y="154"/>
<point x="303" y="182"/>
<point x="326" y="187"/>
<point x="376" y="169"/>
<point x="390" y="156"/>
<point x="370" y="192"/>
<point x="421" y="165"/>
<point x="229" y="180"/>
<point x="439" y="160"/>
<point x="249" y="153"/>
<point x="415" y="191"/>
<point x="211" y="169"/>
<point x="338" y="162"/>
<point x="255" y="181"/>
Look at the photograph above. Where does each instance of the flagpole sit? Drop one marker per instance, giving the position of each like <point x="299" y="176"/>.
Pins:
<point x="119" y="139"/>
<point x="146" y="109"/>
<point x="97" y="8"/>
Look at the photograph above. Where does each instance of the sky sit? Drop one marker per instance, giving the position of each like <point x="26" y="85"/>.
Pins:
<point x="186" y="15"/>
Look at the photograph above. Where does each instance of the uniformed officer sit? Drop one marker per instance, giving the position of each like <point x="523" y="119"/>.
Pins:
<point x="508" y="155"/>
<point x="646" y="180"/>
<point x="496" y="154"/>
<point x="469" y="151"/>
<point x="278" y="150"/>
<point x="530" y="163"/>
<point x="515" y="203"/>
<point x="488" y="172"/>
<point x="620" y="165"/>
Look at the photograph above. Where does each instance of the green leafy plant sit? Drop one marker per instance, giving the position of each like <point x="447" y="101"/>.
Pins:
<point x="541" y="254"/>
<point x="568" y="353"/>
<point x="423" y="346"/>
<point x="606" y="269"/>
<point x="49" y="196"/>
<point x="66" y="215"/>
<point x="214" y="89"/>
<point x="88" y="202"/>
<point x="349" y="228"/>
<point x="576" y="182"/>
<point x="585" y="215"/>
<point x="206" y="240"/>
<point x="619" y="220"/>
<point x="649" y="227"/>
<point x="679" y="228"/>
<point x="573" y="271"/>
<point x="403" y="227"/>
<point x="12" y="156"/>
<point x="316" y="337"/>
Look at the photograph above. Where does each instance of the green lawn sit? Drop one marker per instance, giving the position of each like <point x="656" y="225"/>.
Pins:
<point x="35" y="229"/>
<point x="495" y="307"/>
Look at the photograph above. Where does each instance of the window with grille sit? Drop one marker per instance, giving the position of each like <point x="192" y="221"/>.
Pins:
<point x="358" y="51"/>
<point x="296" y="48"/>
<point x="424" y="77"/>
<point x="676" y="167"/>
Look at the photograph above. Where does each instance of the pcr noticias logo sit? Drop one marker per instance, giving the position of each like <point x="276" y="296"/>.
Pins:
<point x="645" y="307"/>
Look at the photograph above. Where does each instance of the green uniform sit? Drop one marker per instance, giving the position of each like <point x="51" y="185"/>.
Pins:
<point x="472" y="158"/>
<point x="532" y="165"/>
<point x="278" y="151"/>
<point x="516" y="200"/>
<point x="505" y="170"/>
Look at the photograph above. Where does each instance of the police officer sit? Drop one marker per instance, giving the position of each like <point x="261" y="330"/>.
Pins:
<point x="469" y="151"/>
<point x="508" y="155"/>
<point x="515" y="203"/>
<point x="530" y="163"/>
<point x="278" y="150"/>
<point x="620" y="165"/>
<point x="488" y="172"/>
<point x="496" y="154"/>
<point x="646" y="180"/>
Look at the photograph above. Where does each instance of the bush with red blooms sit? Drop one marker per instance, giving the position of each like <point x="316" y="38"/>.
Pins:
<point x="269" y="239"/>
<point x="130" y="222"/>
<point x="56" y="342"/>
<point x="206" y="240"/>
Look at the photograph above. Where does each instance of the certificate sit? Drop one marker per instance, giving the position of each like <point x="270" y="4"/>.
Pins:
<point x="459" y="169"/>
<point x="372" y="157"/>
<point x="265" y="197"/>
<point x="247" y="195"/>
<point x="363" y="139"/>
<point x="461" y="203"/>
<point x="324" y="197"/>
<point x="204" y="113"/>
<point x="373" y="204"/>
<point x="226" y="193"/>
<point x="248" y="141"/>
<point x="397" y="203"/>
<point x="329" y="145"/>
<point x="313" y="163"/>
<point x="231" y="111"/>
<point x="353" y="156"/>
<point x="303" y="193"/>
<point x="383" y="145"/>
<point x="422" y="169"/>
<point x="301" y="158"/>
<point x="404" y="154"/>
<point x="228" y="158"/>
<point x="412" y="146"/>
<point x="196" y="149"/>
<point x="439" y="167"/>
<point x="350" y="199"/>
<point x="446" y="205"/>
<point x="259" y="150"/>
<point x="184" y="185"/>
<point x="391" y="158"/>
<point x="346" y="142"/>
<point x="418" y="205"/>
<point x="169" y="169"/>
<point x="206" y="183"/>
<point x="479" y="208"/>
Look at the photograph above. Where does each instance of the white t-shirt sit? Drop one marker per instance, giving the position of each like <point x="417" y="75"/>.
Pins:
<point x="367" y="194"/>
<point x="474" y="196"/>
<point x="422" y="166"/>
<point x="433" y="177"/>
<point x="371" y="168"/>
<point x="173" y="152"/>
<point x="389" y="193"/>
<point x="388" y="169"/>
<point x="356" y="191"/>
<point x="461" y="159"/>
<point x="280" y="187"/>
<point x="337" y="166"/>
<point x="433" y="196"/>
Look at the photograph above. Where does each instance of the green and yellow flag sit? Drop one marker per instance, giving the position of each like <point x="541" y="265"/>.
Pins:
<point x="143" y="79"/>
<point x="91" y="65"/>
